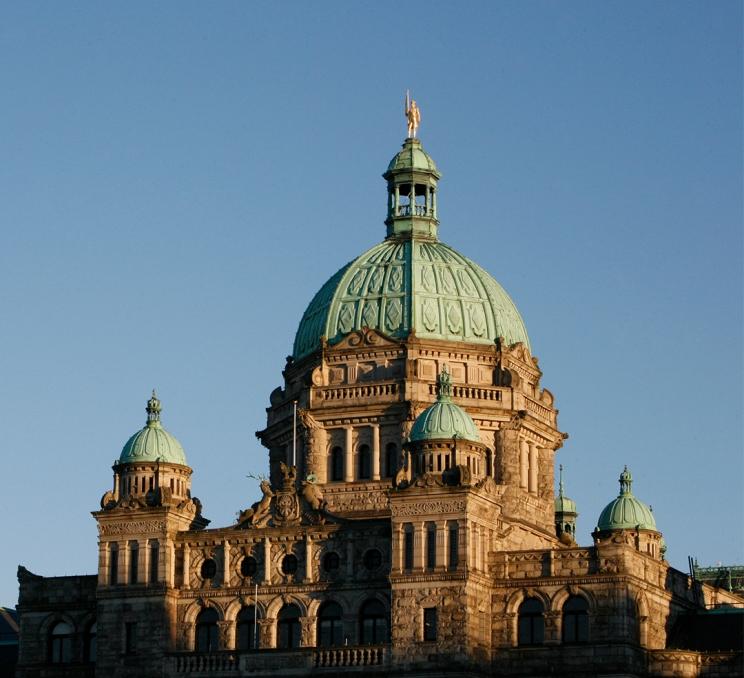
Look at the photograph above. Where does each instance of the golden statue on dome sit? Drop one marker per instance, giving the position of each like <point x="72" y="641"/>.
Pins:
<point x="413" y="114"/>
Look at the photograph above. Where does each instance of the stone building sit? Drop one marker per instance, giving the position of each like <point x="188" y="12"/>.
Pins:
<point x="408" y="523"/>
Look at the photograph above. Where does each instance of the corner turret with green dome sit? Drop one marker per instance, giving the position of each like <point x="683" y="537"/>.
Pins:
<point x="565" y="513"/>
<point x="153" y="442"/>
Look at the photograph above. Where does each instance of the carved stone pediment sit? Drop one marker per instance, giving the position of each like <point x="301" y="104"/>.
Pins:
<point x="365" y="337"/>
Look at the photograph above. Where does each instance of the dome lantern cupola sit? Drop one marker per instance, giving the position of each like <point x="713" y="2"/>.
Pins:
<point x="565" y="513"/>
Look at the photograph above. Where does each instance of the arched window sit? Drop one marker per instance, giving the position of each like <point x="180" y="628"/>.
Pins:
<point x="531" y="623"/>
<point x="208" y="569"/>
<point x="373" y="623"/>
<point x="575" y="620"/>
<point x="431" y="546"/>
<point x="288" y="628"/>
<point x="289" y="564"/>
<point x="90" y="643"/>
<point x="408" y="547"/>
<point x="113" y="564"/>
<point x="60" y="643"/>
<point x="391" y="460"/>
<point x="206" y="631"/>
<point x="337" y="464"/>
<point x="330" y="625"/>
<point x="133" y="562"/>
<point x="365" y="463"/>
<point x="454" y="545"/>
<point x="248" y="566"/>
<point x="247" y="630"/>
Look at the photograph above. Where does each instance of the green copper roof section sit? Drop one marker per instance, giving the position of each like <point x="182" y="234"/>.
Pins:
<point x="153" y="442"/>
<point x="626" y="512"/>
<point x="413" y="157"/>
<point x="411" y="284"/>
<point x="444" y="420"/>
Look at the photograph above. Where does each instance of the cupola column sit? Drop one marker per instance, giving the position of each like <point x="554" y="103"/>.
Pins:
<point x="524" y="464"/>
<point x="533" y="468"/>
<point x="349" y="454"/>
<point x="375" y="451"/>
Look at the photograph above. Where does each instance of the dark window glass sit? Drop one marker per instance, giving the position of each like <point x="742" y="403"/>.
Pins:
<point x="531" y="623"/>
<point x="60" y="645"/>
<point x="330" y="625"/>
<point x="454" y="546"/>
<point x="430" y="624"/>
<point x="431" y="547"/>
<point x="206" y="631"/>
<point x="365" y="460"/>
<point x="90" y="643"/>
<point x="372" y="559"/>
<point x="114" y="564"/>
<point x="154" y="560"/>
<point x="575" y="620"/>
<point x="208" y="569"/>
<point x="408" y="548"/>
<point x="133" y="562"/>
<point x="288" y="627"/>
<point x="248" y="566"/>
<point x="130" y="637"/>
<point x="337" y="464"/>
<point x="391" y="460"/>
<point x="247" y="638"/>
<point x="289" y="564"/>
<point x="373" y="623"/>
<point x="331" y="561"/>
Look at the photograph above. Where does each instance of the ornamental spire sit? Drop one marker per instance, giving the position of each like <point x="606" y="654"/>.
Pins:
<point x="153" y="408"/>
<point x="560" y="480"/>
<point x="626" y="480"/>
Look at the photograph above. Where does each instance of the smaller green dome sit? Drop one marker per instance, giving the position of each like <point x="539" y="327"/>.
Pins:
<point x="153" y="442"/>
<point x="412" y="156"/>
<point x="444" y="420"/>
<point x="626" y="512"/>
<point x="563" y="504"/>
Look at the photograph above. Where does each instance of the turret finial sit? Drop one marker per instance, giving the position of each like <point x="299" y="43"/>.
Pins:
<point x="444" y="385"/>
<point x="560" y="480"/>
<point x="626" y="480"/>
<point x="413" y="115"/>
<point x="153" y="408"/>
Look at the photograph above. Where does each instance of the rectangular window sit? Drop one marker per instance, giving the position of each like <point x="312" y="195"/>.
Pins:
<point x="130" y="637"/>
<point x="114" y="565"/>
<point x="454" y="546"/>
<point x="154" y="557"/>
<point x="133" y="562"/>
<point x="408" y="548"/>
<point x="431" y="547"/>
<point x="430" y="624"/>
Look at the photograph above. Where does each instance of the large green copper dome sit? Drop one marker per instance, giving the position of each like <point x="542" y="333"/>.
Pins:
<point x="153" y="442"/>
<point x="626" y="512"/>
<point x="444" y="420"/>
<point x="411" y="281"/>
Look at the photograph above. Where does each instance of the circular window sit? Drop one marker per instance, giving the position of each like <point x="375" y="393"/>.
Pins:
<point x="372" y="559"/>
<point x="331" y="561"/>
<point x="289" y="564"/>
<point x="208" y="569"/>
<point x="248" y="566"/>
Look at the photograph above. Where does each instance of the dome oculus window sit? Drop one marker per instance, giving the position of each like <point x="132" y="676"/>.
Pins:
<point x="331" y="561"/>
<point x="372" y="559"/>
<point x="248" y="566"/>
<point x="289" y="564"/>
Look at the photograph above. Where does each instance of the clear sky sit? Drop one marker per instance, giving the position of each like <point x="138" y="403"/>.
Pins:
<point x="178" y="179"/>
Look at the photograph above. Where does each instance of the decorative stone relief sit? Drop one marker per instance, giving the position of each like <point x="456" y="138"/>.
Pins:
<point x="429" y="507"/>
<point x="132" y="527"/>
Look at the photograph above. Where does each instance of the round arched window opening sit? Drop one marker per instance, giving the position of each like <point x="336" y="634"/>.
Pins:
<point x="372" y="559"/>
<point x="289" y="564"/>
<point x="209" y="569"/>
<point x="248" y="566"/>
<point x="331" y="561"/>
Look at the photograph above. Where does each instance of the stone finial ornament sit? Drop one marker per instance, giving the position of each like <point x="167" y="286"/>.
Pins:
<point x="153" y="408"/>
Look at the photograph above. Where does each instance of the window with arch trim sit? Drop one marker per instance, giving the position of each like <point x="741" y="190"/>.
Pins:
<point x="575" y="620"/>
<point x="337" y="464"/>
<point x="246" y="629"/>
<point x="207" y="636"/>
<point x="90" y="643"/>
<point x="60" y="643"/>
<point x="531" y="623"/>
<point x="373" y="623"/>
<point x="288" y="628"/>
<point x="330" y="625"/>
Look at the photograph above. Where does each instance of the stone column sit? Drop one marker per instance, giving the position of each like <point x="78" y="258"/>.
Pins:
<point x="169" y="562"/>
<point x="226" y="563"/>
<point x="307" y="631"/>
<point x="267" y="562"/>
<point x="419" y="555"/>
<point x="186" y="566"/>
<point x="441" y="544"/>
<point x="533" y="468"/>
<point x="375" y="451"/>
<point x="397" y="564"/>
<point x="321" y="455"/>
<point x="143" y="560"/>
<point x="524" y="464"/>
<point x="122" y="573"/>
<point x="308" y="558"/>
<point x="103" y="561"/>
<point x="349" y="455"/>
<point x="226" y="630"/>
<point x="267" y="633"/>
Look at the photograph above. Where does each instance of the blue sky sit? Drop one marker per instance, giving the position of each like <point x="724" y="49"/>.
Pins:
<point x="178" y="179"/>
